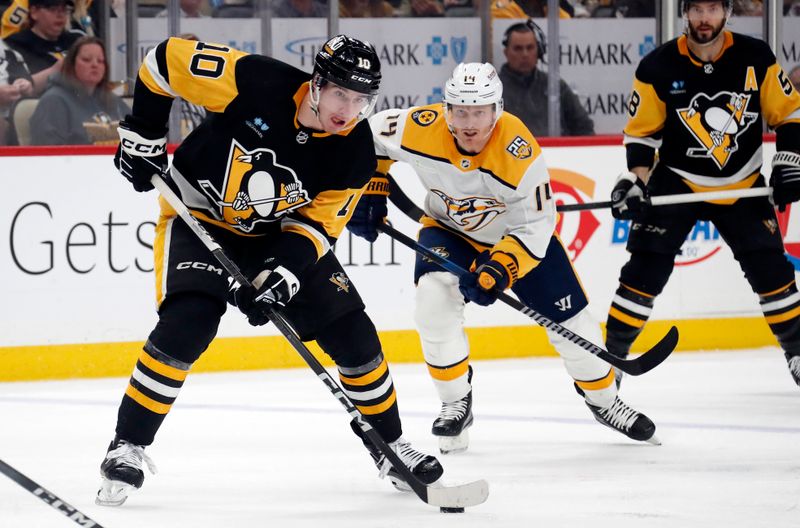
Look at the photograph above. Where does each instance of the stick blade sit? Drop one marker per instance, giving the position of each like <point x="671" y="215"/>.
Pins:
<point x="656" y="355"/>
<point x="461" y="496"/>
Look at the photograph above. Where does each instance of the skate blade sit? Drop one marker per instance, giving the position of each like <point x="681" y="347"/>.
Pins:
<point x="450" y="445"/>
<point x="653" y="440"/>
<point x="399" y="484"/>
<point x="113" y="493"/>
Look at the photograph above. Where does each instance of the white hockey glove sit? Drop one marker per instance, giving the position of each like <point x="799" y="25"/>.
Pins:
<point x="785" y="179"/>
<point x="141" y="153"/>
<point x="629" y="196"/>
<point x="270" y="287"/>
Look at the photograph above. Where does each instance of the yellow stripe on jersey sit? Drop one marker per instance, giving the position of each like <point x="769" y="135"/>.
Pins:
<point x="371" y="410"/>
<point x="147" y="402"/>
<point x="332" y="209"/>
<point x="366" y="379"/>
<point x="598" y="384"/>
<point x="159" y="248"/>
<point x="449" y="373"/>
<point x="744" y="184"/>
<point x="384" y="165"/>
<point x="13" y="18"/>
<point x="511" y="246"/>
<point x="649" y="112"/>
<point x="162" y="368"/>
<point x="683" y="47"/>
<point x="780" y="101"/>
<point x="201" y="73"/>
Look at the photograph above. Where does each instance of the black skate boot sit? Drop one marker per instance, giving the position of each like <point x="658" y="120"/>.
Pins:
<point x="121" y="472"/>
<point x="626" y="420"/>
<point x="452" y="423"/>
<point x="793" y="363"/>
<point x="425" y="467"/>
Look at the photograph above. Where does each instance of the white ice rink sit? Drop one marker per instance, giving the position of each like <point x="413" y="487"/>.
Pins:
<point x="273" y="449"/>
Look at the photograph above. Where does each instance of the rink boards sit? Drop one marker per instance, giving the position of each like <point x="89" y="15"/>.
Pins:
<point x="77" y="280"/>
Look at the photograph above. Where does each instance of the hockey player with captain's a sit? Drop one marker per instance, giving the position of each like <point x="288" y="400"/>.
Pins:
<point x="488" y="208"/>
<point x="273" y="176"/>
<point x="698" y="106"/>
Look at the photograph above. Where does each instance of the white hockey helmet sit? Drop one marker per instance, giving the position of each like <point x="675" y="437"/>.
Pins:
<point x="474" y="84"/>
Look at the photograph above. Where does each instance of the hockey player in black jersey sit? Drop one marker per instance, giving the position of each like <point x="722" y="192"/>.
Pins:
<point x="700" y="101"/>
<point x="273" y="174"/>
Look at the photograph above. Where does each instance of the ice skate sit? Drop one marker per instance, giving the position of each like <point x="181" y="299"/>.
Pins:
<point x="452" y="423"/>
<point x="793" y="363"/>
<point x="122" y="472"/>
<point x="620" y="417"/>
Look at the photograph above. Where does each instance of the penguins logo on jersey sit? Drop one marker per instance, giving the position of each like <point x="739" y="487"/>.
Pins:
<point x="256" y="189"/>
<point x="424" y="117"/>
<point x="716" y="122"/>
<point x="471" y="213"/>
<point x="341" y="281"/>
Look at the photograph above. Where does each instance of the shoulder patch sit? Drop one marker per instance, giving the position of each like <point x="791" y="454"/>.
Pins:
<point x="424" y="117"/>
<point x="519" y="148"/>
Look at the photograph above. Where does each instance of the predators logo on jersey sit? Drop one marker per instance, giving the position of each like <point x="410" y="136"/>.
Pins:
<point x="471" y="213"/>
<point x="716" y="122"/>
<point x="256" y="189"/>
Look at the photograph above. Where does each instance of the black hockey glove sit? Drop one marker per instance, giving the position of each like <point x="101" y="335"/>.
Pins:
<point x="629" y="196"/>
<point x="488" y="278"/>
<point x="272" y="287"/>
<point x="371" y="210"/>
<point x="785" y="179"/>
<point x="142" y="152"/>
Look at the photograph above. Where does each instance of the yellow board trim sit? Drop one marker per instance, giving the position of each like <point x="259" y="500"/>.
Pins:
<point x="145" y="401"/>
<point x="371" y="410"/>
<point x="98" y="360"/>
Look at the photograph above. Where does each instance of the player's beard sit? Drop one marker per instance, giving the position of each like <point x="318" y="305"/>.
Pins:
<point x="715" y="31"/>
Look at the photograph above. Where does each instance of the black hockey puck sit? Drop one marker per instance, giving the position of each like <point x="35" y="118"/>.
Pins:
<point x="451" y="510"/>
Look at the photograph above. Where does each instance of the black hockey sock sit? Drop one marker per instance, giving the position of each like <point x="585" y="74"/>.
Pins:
<point x="630" y="310"/>
<point x="371" y="389"/>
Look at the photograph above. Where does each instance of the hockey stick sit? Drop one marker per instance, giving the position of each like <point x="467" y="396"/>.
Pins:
<point x="674" y="199"/>
<point x="48" y="497"/>
<point x="647" y="361"/>
<point x="470" y="494"/>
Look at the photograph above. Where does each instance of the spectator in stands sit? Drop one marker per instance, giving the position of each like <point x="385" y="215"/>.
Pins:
<point x="525" y="86"/>
<point x="299" y="8"/>
<point x="365" y="9"/>
<point x="82" y="20"/>
<point x="791" y="8"/>
<point x="15" y="83"/>
<point x="78" y="107"/>
<point x="44" y="43"/>
<point x="189" y="9"/>
<point x="529" y="8"/>
<point x="794" y="77"/>
<point x="747" y="8"/>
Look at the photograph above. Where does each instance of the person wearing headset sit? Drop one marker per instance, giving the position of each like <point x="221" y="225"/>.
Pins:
<point x="525" y="85"/>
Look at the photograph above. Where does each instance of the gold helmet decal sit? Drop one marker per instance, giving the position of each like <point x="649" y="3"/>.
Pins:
<point x="716" y="122"/>
<point x="471" y="213"/>
<point x="256" y="189"/>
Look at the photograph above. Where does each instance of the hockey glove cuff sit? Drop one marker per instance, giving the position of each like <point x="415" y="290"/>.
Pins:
<point x="142" y="152"/>
<point x="371" y="210"/>
<point x="629" y="196"/>
<point x="785" y="179"/>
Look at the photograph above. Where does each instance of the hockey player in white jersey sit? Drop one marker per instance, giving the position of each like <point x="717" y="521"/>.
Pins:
<point x="488" y="208"/>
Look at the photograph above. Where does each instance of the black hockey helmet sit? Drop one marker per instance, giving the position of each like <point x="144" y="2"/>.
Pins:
<point x="726" y="4"/>
<point x="350" y="63"/>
